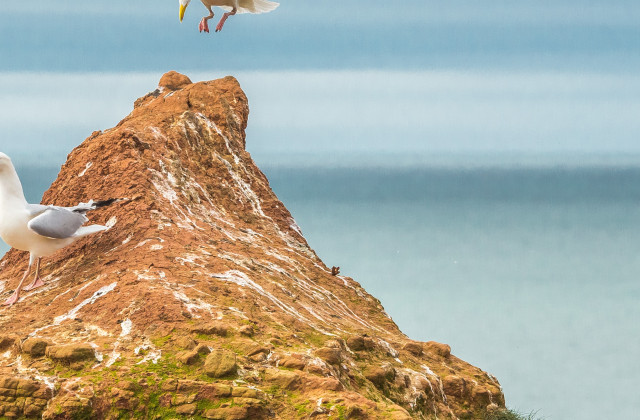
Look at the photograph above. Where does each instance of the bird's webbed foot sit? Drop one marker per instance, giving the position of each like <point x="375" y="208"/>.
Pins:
<point x="13" y="299"/>
<point x="36" y="283"/>
<point x="204" y="26"/>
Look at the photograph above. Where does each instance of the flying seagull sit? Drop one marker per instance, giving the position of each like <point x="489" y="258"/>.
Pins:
<point x="41" y="230"/>
<point x="232" y="7"/>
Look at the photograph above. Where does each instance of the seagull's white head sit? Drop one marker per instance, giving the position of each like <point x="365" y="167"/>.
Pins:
<point x="183" y="7"/>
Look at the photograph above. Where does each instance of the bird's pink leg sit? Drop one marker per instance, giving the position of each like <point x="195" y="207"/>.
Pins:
<point x="224" y="19"/>
<point x="37" y="282"/>
<point x="16" y="295"/>
<point x="204" y="25"/>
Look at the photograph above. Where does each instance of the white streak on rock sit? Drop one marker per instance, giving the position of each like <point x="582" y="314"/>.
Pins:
<point x="143" y="243"/>
<point x="144" y="275"/>
<point x="86" y="168"/>
<point x="212" y="126"/>
<point x="390" y="350"/>
<point x="49" y="381"/>
<point x="153" y="354"/>
<point x="314" y="291"/>
<point x="312" y="312"/>
<point x="293" y="225"/>
<point x="98" y="330"/>
<point x="157" y="133"/>
<point x="430" y="373"/>
<point x="126" y="326"/>
<point x="189" y="259"/>
<point x="191" y="306"/>
<point x="89" y="301"/>
<point x="163" y="185"/>
<point x="61" y="294"/>
<point x="99" y="356"/>
<point x="111" y="222"/>
<point x="246" y="189"/>
<point x="241" y="279"/>
<point x="87" y="284"/>
<point x="238" y="311"/>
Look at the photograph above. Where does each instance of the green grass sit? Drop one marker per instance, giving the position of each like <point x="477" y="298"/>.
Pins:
<point x="510" y="415"/>
<point x="316" y="339"/>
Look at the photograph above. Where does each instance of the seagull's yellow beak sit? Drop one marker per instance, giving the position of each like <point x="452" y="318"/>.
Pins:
<point x="182" y="9"/>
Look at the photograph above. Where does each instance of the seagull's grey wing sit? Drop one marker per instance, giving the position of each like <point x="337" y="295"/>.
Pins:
<point x="36" y="209"/>
<point x="57" y="223"/>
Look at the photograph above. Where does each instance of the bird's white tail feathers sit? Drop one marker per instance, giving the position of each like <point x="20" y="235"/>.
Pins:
<point x="254" y="6"/>
<point x="88" y="230"/>
<point x="264" y="6"/>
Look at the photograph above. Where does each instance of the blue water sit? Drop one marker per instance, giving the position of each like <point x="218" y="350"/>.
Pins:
<point x="529" y="273"/>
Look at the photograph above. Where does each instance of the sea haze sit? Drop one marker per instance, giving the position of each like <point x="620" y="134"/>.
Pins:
<point x="529" y="272"/>
<point x="343" y="115"/>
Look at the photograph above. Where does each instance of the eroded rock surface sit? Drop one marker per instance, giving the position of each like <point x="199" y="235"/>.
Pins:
<point x="204" y="299"/>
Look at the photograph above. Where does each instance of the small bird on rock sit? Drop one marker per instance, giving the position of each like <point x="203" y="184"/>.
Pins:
<point x="231" y="7"/>
<point x="39" y="229"/>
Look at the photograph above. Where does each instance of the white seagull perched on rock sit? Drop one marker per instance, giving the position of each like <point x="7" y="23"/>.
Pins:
<point x="39" y="229"/>
<point x="232" y="7"/>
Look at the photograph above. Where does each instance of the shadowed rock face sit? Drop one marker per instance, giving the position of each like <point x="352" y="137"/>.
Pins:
<point x="204" y="298"/>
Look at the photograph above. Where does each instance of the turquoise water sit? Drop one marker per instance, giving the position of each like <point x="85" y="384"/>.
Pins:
<point x="529" y="273"/>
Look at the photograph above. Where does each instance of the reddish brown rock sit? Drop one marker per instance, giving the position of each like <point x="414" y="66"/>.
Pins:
<point x="216" y="328"/>
<point x="330" y="355"/>
<point x="312" y="383"/>
<point x="71" y="352"/>
<point x="247" y="393"/>
<point x="188" y="357"/>
<point x="246" y="330"/>
<point x="481" y="396"/>
<point x="283" y="378"/>
<point x="220" y="363"/>
<point x="203" y="250"/>
<point x="293" y="361"/>
<point x="186" y="343"/>
<point x="7" y="342"/>
<point x="35" y="347"/>
<point x="236" y="413"/>
<point x="414" y="348"/>
<point x="356" y="343"/>
<point x="174" y="80"/>
<point x="186" y="409"/>
<point x="443" y="350"/>
<point x="454" y="385"/>
<point x="203" y="349"/>
<point x="379" y="375"/>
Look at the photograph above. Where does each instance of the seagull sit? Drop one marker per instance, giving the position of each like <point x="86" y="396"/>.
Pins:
<point x="39" y="229"/>
<point x="232" y="7"/>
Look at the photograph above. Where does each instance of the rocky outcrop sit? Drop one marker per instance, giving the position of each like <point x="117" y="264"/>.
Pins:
<point x="204" y="299"/>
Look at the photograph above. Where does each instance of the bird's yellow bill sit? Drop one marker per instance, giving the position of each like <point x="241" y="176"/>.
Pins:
<point x="182" y="9"/>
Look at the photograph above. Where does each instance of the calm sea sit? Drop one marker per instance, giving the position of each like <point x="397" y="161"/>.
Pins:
<point x="529" y="273"/>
